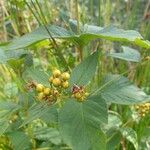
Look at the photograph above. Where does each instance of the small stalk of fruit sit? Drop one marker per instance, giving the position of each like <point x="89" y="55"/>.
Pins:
<point x="58" y="83"/>
<point x="143" y="109"/>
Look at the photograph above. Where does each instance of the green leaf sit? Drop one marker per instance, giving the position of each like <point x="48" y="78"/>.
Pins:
<point x="142" y="43"/>
<point x="8" y="105"/>
<point x="111" y="130"/>
<point x="7" y="109"/>
<point x="6" y="55"/>
<point x="38" y="35"/>
<point x="3" y="126"/>
<point x="3" y="57"/>
<point x="118" y="89"/>
<point x="39" y="111"/>
<point x="36" y="74"/>
<point x="10" y="89"/>
<point x="114" y="121"/>
<point x="84" y="72"/>
<point x="88" y="33"/>
<point x="114" y="140"/>
<point x="19" y="140"/>
<point x="47" y="134"/>
<point x="79" y="123"/>
<point x="128" y="54"/>
<point x="130" y="135"/>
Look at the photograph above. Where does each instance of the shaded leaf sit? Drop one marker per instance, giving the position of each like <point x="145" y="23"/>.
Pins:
<point x="128" y="54"/>
<point x="88" y="33"/>
<point x="80" y="123"/>
<point x="113" y="140"/>
<point x="114" y="121"/>
<point x="3" y="57"/>
<point x="10" y="89"/>
<point x="6" y="55"/>
<point x="118" y="89"/>
<point x="47" y="134"/>
<point x="39" y="111"/>
<point x="7" y="109"/>
<point x="36" y="74"/>
<point x="3" y="126"/>
<point x="19" y="140"/>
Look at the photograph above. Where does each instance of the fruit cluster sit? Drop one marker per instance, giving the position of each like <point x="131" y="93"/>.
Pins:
<point x="143" y="109"/>
<point x="59" y="79"/>
<point x="79" y="93"/>
<point x="58" y="82"/>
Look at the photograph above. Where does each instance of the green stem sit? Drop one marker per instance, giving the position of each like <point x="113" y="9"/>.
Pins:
<point x="77" y="16"/>
<point x="51" y="39"/>
<point x="99" y="12"/>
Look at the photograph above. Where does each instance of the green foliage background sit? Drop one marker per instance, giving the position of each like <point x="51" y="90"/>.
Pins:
<point x="105" y="46"/>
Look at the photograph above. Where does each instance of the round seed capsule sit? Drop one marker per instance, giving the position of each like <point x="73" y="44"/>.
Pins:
<point x="39" y="87"/>
<point x="47" y="91"/>
<point x="65" y="76"/>
<point x="56" y="73"/>
<point x="56" y="82"/>
<point x="77" y="95"/>
<point x="65" y="84"/>
<point x="40" y="96"/>
<point x="50" y="79"/>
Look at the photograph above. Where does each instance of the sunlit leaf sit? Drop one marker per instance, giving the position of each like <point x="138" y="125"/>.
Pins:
<point x="88" y="33"/>
<point x="130" y="135"/>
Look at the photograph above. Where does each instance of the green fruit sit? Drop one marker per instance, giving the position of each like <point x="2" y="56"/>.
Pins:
<point x="39" y="87"/>
<point x="56" y="73"/>
<point x="47" y="91"/>
<point x="65" y="76"/>
<point x="56" y="82"/>
<point x="40" y="96"/>
<point x="65" y="84"/>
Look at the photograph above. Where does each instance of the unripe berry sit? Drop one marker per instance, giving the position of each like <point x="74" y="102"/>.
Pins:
<point x="40" y="96"/>
<point x="50" y="79"/>
<point x="77" y="95"/>
<point x="65" y="76"/>
<point x="39" y="87"/>
<point x="56" y="73"/>
<point x="65" y="84"/>
<point x="47" y="91"/>
<point x="143" y="115"/>
<point x="86" y="94"/>
<point x="56" y="82"/>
